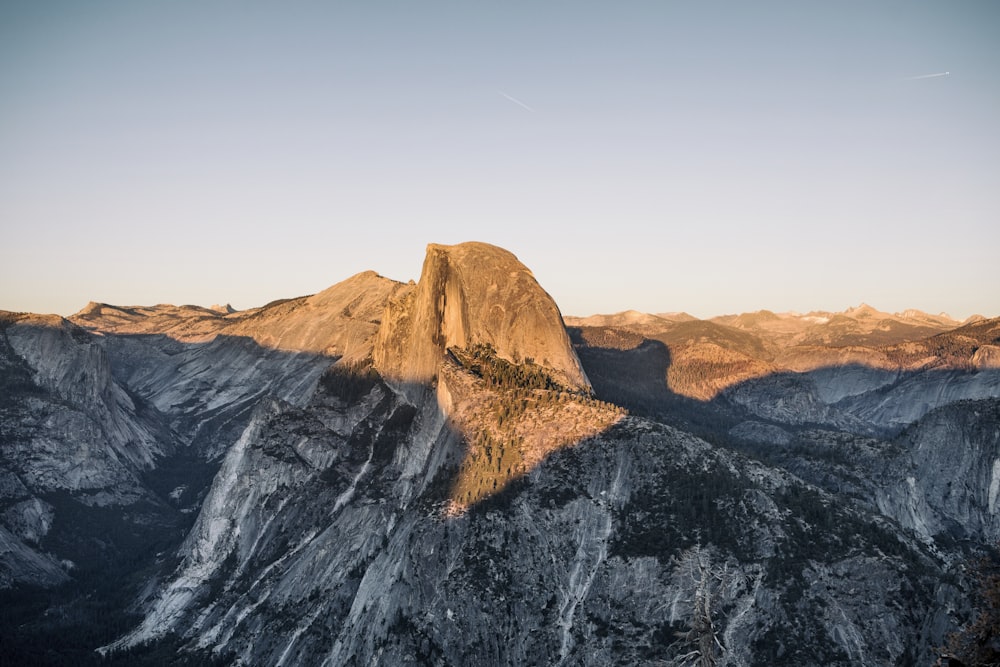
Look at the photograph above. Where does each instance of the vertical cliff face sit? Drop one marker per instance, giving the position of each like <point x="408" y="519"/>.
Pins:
<point x="468" y="294"/>
<point x="950" y="482"/>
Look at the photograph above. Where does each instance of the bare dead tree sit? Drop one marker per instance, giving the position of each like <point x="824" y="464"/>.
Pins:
<point x="701" y="636"/>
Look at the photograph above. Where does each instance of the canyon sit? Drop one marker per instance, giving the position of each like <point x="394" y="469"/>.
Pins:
<point x="450" y="472"/>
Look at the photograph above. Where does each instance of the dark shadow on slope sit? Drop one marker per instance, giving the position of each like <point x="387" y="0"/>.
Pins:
<point x="842" y="428"/>
<point x="685" y="495"/>
<point x="856" y="398"/>
<point x="632" y="370"/>
<point x="195" y="398"/>
<point x="633" y="374"/>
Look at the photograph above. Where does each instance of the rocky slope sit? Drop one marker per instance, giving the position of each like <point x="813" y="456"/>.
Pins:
<point x="388" y="473"/>
<point x="75" y="442"/>
<point x="937" y="478"/>
<point x="951" y="462"/>
<point x="339" y="321"/>
<point x="208" y="369"/>
<point x="326" y="540"/>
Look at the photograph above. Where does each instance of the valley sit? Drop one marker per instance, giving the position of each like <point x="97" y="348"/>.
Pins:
<point x="451" y="472"/>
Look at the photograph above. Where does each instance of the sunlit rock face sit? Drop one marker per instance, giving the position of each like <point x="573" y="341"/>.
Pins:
<point x="987" y="357"/>
<point x="469" y="294"/>
<point x="339" y="321"/>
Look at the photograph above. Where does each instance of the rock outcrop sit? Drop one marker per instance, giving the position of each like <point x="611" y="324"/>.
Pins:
<point x="340" y="321"/>
<point x="469" y="294"/>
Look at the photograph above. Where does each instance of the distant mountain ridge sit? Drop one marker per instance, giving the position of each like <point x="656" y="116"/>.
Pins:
<point x="861" y="324"/>
<point x="708" y="356"/>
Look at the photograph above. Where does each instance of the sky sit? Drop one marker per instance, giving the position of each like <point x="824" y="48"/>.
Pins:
<point x="701" y="156"/>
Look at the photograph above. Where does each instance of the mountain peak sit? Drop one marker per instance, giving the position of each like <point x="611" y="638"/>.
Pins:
<point x="864" y="311"/>
<point x="468" y="294"/>
<point x="92" y="308"/>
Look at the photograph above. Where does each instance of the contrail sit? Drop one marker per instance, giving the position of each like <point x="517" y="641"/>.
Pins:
<point x="925" y="76"/>
<point x="516" y="101"/>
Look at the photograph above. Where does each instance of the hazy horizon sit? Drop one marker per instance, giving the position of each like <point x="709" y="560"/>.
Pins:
<point x="695" y="312"/>
<point x="671" y="156"/>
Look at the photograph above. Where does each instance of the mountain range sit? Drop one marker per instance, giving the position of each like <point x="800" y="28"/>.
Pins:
<point x="450" y="472"/>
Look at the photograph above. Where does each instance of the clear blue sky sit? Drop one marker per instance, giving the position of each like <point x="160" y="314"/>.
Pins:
<point x="704" y="156"/>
